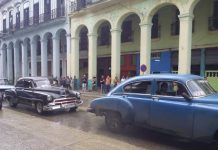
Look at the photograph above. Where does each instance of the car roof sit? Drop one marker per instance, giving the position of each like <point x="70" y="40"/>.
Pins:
<point x="178" y="77"/>
<point x="34" y="78"/>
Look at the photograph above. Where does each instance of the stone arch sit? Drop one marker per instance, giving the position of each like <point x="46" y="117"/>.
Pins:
<point x="59" y="31"/>
<point x="4" y="45"/>
<point x="46" y="35"/>
<point x="26" y="41"/>
<point x="11" y="45"/>
<point x="79" y="28"/>
<point x="98" y="24"/>
<point x="156" y="7"/>
<point x="193" y="5"/>
<point x="119" y="22"/>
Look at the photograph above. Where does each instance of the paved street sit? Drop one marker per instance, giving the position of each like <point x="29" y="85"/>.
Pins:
<point x="22" y="129"/>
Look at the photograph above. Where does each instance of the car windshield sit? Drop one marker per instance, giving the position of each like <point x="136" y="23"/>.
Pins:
<point x="200" y="88"/>
<point x="4" y="82"/>
<point x="42" y="83"/>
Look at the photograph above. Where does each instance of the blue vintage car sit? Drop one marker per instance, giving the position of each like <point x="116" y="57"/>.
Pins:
<point x="183" y="105"/>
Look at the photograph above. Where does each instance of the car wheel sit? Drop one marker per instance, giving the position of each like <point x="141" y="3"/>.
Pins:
<point x="114" y="122"/>
<point x="39" y="108"/>
<point x="73" y="109"/>
<point x="11" y="103"/>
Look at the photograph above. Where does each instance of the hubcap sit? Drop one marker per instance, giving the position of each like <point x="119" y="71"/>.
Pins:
<point x="39" y="107"/>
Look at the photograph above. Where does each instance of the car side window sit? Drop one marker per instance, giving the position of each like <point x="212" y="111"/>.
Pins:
<point x="142" y="87"/>
<point x="28" y="84"/>
<point x="170" y="88"/>
<point x="20" y="83"/>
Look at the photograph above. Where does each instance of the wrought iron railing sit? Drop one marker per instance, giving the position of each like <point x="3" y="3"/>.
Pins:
<point x="36" y="20"/>
<point x="81" y="4"/>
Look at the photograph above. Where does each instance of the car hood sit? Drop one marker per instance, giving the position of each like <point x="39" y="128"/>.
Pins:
<point x="56" y="91"/>
<point x="6" y="87"/>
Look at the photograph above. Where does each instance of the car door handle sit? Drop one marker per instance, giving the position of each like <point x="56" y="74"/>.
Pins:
<point x="155" y="98"/>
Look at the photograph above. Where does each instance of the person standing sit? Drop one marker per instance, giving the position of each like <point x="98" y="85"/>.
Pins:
<point x="108" y="83"/>
<point x="116" y="81"/>
<point x="102" y="83"/>
<point x="84" y="83"/>
<point x="123" y="79"/>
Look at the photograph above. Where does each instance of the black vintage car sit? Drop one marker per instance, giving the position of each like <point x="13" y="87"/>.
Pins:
<point x="38" y="93"/>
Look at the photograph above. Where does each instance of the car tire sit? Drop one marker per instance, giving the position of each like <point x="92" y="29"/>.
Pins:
<point x="11" y="103"/>
<point x="73" y="109"/>
<point x="39" y="108"/>
<point x="114" y="122"/>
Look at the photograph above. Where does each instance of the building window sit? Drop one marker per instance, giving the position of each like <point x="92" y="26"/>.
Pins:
<point x="126" y="35"/>
<point x="47" y="10"/>
<point x="213" y="21"/>
<point x="11" y="20"/>
<point x="105" y="36"/>
<point x="155" y="55"/>
<point x="36" y="13"/>
<point x="83" y="40"/>
<point x="18" y="18"/>
<point x="60" y="8"/>
<point x="4" y="26"/>
<point x="155" y="31"/>
<point x="26" y="14"/>
<point x="175" y="26"/>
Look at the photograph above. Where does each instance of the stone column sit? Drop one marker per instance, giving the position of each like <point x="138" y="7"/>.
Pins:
<point x="44" y="58"/>
<point x="75" y="56"/>
<point x="9" y="63"/>
<point x="92" y="58"/>
<point x="75" y="61"/>
<point x="16" y="62"/>
<point x="24" y="60"/>
<point x="68" y="54"/>
<point x="202" y="63"/>
<point x="33" y="58"/>
<point x="145" y="46"/>
<point x="185" y="43"/>
<point x="56" y="57"/>
<point x="3" y="62"/>
<point x="115" y="52"/>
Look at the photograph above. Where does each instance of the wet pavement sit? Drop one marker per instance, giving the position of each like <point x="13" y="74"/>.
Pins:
<point x="22" y="129"/>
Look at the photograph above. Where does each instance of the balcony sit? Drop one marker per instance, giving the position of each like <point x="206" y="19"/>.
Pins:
<point x="81" y="4"/>
<point x="213" y="23"/>
<point x="44" y="18"/>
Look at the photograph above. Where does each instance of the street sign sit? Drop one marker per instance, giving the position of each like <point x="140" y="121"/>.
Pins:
<point x="143" y="68"/>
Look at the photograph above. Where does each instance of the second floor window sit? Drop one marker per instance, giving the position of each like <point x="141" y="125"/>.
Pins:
<point x="11" y="20"/>
<point x="47" y="10"/>
<point x="126" y="35"/>
<point x="175" y="26"/>
<point x="26" y="17"/>
<point x="213" y="21"/>
<point x="155" y="32"/>
<point x="105" y="36"/>
<point x="36" y="13"/>
<point x="4" y="26"/>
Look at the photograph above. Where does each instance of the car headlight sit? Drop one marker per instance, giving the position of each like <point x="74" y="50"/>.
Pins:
<point x="49" y="98"/>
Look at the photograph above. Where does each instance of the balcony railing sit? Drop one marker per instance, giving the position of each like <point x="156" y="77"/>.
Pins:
<point x="81" y="4"/>
<point x="212" y="23"/>
<point x="36" y="20"/>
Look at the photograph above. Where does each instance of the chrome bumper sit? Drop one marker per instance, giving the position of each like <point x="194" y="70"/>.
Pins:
<point x="62" y="105"/>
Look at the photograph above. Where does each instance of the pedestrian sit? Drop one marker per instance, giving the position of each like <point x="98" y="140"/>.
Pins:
<point x="71" y="83"/>
<point x="94" y="84"/>
<point x="102" y="83"/>
<point x="108" y="84"/>
<point x="123" y="79"/>
<point x="116" y="81"/>
<point x="68" y="81"/>
<point x="84" y="83"/>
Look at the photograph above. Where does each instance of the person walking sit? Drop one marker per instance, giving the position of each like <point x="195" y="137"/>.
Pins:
<point x="108" y="84"/>
<point x="102" y="83"/>
<point x="84" y="83"/>
<point x="116" y="81"/>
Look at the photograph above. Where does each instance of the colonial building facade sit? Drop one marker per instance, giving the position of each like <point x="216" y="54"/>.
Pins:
<point x="115" y="37"/>
<point x="34" y="39"/>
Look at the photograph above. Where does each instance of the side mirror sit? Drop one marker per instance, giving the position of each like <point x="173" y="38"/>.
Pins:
<point x="186" y="96"/>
